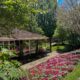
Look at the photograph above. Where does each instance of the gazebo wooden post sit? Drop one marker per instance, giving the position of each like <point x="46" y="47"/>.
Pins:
<point x="3" y="44"/>
<point x="42" y="43"/>
<point x="29" y="46"/>
<point x="19" y="45"/>
<point x="14" y="44"/>
<point x="37" y="44"/>
<point x="46" y="44"/>
<point x="9" y="45"/>
<point x="21" y="48"/>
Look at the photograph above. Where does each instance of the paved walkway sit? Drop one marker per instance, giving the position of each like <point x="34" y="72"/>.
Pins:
<point x="34" y="63"/>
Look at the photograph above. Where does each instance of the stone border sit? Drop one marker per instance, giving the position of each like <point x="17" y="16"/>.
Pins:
<point x="39" y="61"/>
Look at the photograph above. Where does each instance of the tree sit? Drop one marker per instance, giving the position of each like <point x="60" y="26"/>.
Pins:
<point x="32" y="25"/>
<point x="68" y="19"/>
<point x="10" y="15"/>
<point x="15" y="13"/>
<point x="60" y="34"/>
<point x="47" y="21"/>
<point x="9" y="68"/>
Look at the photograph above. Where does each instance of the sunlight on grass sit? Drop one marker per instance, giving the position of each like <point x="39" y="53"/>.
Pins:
<point x="55" y="48"/>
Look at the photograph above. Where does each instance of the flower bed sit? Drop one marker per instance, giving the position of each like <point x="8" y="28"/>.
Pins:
<point x="74" y="75"/>
<point x="54" y="68"/>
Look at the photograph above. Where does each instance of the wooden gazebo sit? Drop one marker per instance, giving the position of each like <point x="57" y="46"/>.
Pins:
<point x="18" y="37"/>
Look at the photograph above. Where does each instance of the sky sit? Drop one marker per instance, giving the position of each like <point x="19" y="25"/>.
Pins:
<point x="60" y="2"/>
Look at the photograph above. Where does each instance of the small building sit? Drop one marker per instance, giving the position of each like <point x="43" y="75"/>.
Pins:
<point x="21" y="40"/>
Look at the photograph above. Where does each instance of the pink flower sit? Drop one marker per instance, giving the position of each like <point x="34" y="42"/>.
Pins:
<point x="55" y="67"/>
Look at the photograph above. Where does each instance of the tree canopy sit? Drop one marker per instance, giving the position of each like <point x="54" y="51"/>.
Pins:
<point x="68" y="21"/>
<point x="47" y="21"/>
<point x="15" y="13"/>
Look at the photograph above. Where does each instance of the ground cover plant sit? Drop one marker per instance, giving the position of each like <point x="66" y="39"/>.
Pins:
<point x="54" y="68"/>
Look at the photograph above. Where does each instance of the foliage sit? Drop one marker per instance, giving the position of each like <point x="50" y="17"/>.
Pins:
<point x="68" y="22"/>
<point x="74" y="75"/>
<point x="18" y="13"/>
<point x="60" y="34"/>
<point x="12" y="16"/>
<point x="32" y="25"/>
<point x="6" y="54"/>
<point x="10" y="69"/>
<point x="47" y="21"/>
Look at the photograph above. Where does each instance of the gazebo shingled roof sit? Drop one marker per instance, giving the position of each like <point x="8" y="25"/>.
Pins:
<point x="6" y="39"/>
<point x="22" y="35"/>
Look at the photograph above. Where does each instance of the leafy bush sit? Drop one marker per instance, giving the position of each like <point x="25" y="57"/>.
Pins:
<point x="10" y="69"/>
<point x="6" y="54"/>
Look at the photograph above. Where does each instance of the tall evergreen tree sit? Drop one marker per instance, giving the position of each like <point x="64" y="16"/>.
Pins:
<point x="47" y="21"/>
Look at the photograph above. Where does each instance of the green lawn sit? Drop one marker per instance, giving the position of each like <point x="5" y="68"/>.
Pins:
<point x="59" y="47"/>
<point x="74" y="75"/>
<point x="54" y="48"/>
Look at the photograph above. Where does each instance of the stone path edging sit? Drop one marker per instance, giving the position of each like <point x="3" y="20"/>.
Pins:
<point x="50" y="55"/>
<point x="34" y="63"/>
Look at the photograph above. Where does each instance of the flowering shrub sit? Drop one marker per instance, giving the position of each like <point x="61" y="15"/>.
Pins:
<point x="54" y="68"/>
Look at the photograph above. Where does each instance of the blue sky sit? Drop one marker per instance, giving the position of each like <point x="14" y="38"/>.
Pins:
<point x="60" y="2"/>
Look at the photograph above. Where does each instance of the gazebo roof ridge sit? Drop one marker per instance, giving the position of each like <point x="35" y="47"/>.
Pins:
<point x="18" y="34"/>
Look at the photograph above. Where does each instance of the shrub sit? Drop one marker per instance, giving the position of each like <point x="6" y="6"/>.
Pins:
<point x="10" y="69"/>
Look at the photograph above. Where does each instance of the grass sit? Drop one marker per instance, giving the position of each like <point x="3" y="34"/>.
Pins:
<point x="74" y="75"/>
<point x="62" y="48"/>
<point x="58" y="47"/>
<point x="55" y="47"/>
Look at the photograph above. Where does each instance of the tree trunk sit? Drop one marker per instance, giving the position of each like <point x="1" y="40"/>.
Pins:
<point x="50" y="41"/>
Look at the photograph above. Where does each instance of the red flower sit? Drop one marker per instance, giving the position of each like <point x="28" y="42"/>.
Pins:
<point x="55" y="67"/>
